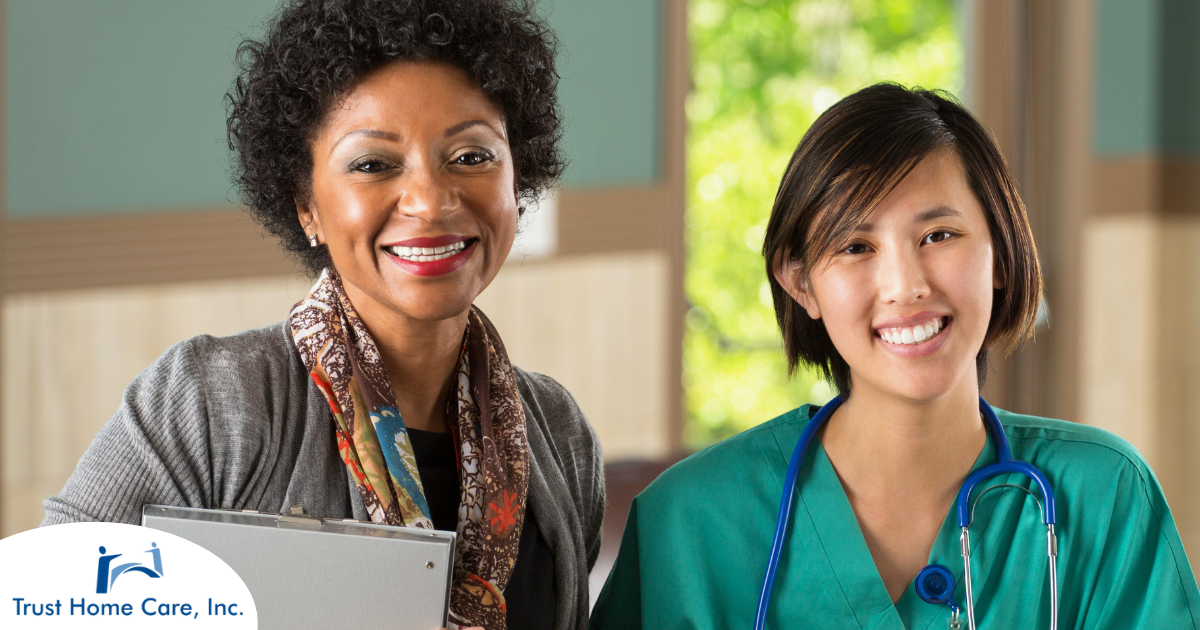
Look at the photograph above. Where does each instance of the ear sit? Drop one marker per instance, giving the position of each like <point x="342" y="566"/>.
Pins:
<point x="310" y="220"/>
<point x="788" y="275"/>
<point x="997" y="277"/>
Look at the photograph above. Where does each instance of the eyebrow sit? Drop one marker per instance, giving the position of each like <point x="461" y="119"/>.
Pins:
<point x="928" y="215"/>
<point x="369" y="133"/>
<point x="467" y="124"/>
<point x="937" y="213"/>
<point x="387" y="135"/>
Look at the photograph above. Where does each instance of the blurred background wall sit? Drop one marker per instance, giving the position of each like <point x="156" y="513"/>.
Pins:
<point x="121" y="235"/>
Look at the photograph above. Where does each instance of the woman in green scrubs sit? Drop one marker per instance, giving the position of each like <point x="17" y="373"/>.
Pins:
<point x="899" y="254"/>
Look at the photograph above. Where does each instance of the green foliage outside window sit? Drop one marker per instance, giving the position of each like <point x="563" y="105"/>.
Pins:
<point x="762" y="70"/>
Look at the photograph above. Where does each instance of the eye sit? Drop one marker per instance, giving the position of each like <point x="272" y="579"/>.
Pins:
<point x="369" y="165"/>
<point x="855" y="249"/>
<point x="472" y="158"/>
<point x="936" y="237"/>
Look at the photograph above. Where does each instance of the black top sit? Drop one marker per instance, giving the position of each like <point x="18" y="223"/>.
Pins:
<point x="530" y="591"/>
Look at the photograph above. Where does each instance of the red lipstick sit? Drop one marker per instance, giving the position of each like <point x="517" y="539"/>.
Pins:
<point x="430" y="268"/>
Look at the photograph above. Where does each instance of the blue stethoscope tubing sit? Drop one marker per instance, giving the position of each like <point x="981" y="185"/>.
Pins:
<point x="1005" y="464"/>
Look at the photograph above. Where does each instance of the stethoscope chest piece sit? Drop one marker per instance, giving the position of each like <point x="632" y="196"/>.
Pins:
<point x="935" y="585"/>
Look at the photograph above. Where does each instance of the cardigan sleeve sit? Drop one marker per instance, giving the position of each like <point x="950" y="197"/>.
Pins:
<point x="599" y="502"/>
<point x="576" y="451"/>
<point x="154" y="450"/>
<point x="567" y="488"/>
<point x="229" y="422"/>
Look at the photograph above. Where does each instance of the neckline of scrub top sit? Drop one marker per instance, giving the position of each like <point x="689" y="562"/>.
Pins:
<point x="846" y="548"/>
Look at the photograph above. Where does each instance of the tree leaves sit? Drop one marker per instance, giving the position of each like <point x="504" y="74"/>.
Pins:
<point x="762" y="71"/>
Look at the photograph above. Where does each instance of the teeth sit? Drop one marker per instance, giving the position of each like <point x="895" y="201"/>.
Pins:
<point x="913" y="335"/>
<point x="427" y="254"/>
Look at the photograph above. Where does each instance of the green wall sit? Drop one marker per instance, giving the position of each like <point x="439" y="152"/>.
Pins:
<point x="610" y="89"/>
<point x="1147" y="78"/>
<point x="1181" y="72"/>
<point x="117" y="105"/>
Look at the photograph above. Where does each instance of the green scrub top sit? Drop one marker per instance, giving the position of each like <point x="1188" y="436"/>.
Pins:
<point x="696" y="543"/>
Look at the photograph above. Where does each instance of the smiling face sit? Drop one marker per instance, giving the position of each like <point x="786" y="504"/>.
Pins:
<point x="907" y="301"/>
<point x="413" y="192"/>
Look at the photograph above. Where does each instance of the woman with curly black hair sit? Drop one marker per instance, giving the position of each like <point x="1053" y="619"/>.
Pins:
<point x="390" y="145"/>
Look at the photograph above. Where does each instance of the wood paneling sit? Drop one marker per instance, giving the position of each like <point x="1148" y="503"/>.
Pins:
<point x="1141" y="348"/>
<point x="598" y="325"/>
<point x="128" y="249"/>
<point x="1147" y="186"/>
<point x="1120" y="344"/>
<point x="225" y="243"/>
<point x="1127" y="187"/>
<point x="603" y="220"/>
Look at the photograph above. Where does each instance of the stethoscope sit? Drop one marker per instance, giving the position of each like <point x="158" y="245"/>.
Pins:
<point x="934" y="583"/>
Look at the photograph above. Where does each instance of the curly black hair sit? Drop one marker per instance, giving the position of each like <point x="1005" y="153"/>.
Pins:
<point x="314" y="53"/>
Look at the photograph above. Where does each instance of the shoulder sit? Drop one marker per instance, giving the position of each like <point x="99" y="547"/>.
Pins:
<point x="250" y="359"/>
<point x="552" y="407"/>
<point x="738" y="461"/>
<point x="565" y="431"/>
<point x="1111" y="510"/>
<point x="236" y="380"/>
<point x="1057" y="443"/>
<point x="1087" y="461"/>
<point x="246" y="350"/>
<point x="1022" y="427"/>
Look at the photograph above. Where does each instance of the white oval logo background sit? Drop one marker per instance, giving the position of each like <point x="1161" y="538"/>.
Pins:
<point x="58" y="577"/>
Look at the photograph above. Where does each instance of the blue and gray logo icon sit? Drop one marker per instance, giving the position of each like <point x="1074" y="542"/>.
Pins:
<point x="106" y="574"/>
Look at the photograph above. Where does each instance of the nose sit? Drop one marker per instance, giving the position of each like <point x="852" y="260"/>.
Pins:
<point x="902" y="276"/>
<point x="424" y="194"/>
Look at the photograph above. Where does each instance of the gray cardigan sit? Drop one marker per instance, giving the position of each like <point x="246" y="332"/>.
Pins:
<point x="236" y="423"/>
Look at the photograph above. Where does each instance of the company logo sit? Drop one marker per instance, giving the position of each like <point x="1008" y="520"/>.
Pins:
<point x="106" y="574"/>
<point x="109" y="576"/>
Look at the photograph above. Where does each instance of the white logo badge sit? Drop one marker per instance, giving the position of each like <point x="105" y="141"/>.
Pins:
<point x="108" y="575"/>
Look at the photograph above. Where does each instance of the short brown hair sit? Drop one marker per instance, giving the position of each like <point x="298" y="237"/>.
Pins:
<point x="848" y="161"/>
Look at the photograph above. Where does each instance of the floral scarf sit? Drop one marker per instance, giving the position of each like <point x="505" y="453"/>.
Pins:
<point x="487" y="420"/>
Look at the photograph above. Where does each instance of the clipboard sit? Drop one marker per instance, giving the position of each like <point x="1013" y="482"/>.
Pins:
<point x="307" y="572"/>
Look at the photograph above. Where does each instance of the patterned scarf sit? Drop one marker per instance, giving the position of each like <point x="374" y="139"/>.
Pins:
<point x="486" y="418"/>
